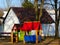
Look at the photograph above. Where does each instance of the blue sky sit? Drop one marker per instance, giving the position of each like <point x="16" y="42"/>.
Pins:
<point x="15" y="3"/>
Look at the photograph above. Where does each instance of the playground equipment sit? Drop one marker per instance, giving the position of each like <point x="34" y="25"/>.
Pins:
<point x="28" y="27"/>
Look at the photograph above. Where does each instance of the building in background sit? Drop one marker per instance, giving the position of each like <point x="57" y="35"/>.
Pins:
<point x="16" y="15"/>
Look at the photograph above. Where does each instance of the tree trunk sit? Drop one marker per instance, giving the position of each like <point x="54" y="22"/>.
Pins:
<point x="41" y="7"/>
<point x="36" y="11"/>
<point x="36" y="8"/>
<point x="56" y="21"/>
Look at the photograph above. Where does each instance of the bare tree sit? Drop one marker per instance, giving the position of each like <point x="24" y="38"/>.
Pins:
<point x="56" y="20"/>
<point x="41" y="7"/>
<point x="36" y="8"/>
<point x="56" y="16"/>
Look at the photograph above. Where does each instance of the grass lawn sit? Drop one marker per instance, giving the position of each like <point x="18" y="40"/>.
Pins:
<point x="46" y="41"/>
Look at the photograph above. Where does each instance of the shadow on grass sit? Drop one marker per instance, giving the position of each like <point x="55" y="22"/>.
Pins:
<point x="49" y="42"/>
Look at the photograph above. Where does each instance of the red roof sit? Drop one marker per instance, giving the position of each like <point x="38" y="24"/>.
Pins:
<point x="28" y="26"/>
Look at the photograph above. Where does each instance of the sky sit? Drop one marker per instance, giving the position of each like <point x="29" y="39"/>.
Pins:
<point x="16" y="3"/>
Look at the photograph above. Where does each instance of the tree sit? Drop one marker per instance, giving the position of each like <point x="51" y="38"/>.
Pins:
<point x="49" y="3"/>
<point x="27" y="4"/>
<point x="36" y="9"/>
<point x="41" y="7"/>
<point x="56" y="20"/>
<point x="56" y="17"/>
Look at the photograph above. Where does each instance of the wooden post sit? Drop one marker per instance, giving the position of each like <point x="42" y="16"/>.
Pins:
<point x="36" y="36"/>
<point x="16" y="36"/>
<point x="12" y="36"/>
<point x="24" y="40"/>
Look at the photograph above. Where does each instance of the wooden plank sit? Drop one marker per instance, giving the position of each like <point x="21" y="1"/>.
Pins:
<point x="12" y="36"/>
<point x="36" y="36"/>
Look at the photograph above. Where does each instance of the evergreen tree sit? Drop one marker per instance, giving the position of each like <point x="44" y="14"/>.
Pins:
<point x="27" y="4"/>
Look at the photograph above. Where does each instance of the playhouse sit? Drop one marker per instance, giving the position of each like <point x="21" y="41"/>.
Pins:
<point x="26" y="33"/>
